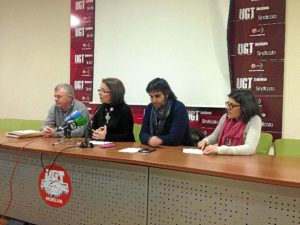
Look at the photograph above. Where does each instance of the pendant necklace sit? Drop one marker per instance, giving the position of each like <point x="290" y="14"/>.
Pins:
<point x="107" y="116"/>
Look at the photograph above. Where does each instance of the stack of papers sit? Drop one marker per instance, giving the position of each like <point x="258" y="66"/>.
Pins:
<point x="100" y="142"/>
<point x="23" y="133"/>
<point x="103" y="144"/>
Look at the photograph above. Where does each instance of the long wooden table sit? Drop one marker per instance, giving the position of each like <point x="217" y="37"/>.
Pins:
<point x="164" y="187"/>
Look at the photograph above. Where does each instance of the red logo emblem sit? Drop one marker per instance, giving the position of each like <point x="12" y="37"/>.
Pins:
<point x="55" y="186"/>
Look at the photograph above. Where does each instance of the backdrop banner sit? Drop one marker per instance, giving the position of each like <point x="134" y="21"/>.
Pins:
<point x="256" y="39"/>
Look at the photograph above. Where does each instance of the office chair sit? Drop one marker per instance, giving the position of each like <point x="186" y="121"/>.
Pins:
<point x="196" y="135"/>
<point x="136" y="132"/>
<point x="264" y="144"/>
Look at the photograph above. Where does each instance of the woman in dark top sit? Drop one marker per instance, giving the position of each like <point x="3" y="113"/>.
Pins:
<point x="113" y="119"/>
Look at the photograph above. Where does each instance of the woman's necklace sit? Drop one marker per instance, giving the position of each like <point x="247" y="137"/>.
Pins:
<point x="107" y="116"/>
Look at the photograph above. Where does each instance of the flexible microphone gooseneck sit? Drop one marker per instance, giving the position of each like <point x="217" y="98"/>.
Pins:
<point x="86" y="143"/>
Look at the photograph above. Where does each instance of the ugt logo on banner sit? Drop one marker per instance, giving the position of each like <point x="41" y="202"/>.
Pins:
<point x="55" y="186"/>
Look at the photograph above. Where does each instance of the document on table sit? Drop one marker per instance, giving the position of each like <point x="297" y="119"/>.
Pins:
<point x="193" y="151"/>
<point x="23" y="133"/>
<point x="100" y="142"/>
<point x="103" y="144"/>
<point x="130" y="150"/>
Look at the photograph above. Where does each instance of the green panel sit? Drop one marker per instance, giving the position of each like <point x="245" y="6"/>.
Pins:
<point x="19" y="124"/>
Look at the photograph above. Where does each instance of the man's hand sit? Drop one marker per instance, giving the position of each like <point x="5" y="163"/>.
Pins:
<point x="48" y="132"/>
<point x="155" y="141"/>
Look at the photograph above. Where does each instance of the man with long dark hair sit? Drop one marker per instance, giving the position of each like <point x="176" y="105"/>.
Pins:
<point x="166" y="120"/>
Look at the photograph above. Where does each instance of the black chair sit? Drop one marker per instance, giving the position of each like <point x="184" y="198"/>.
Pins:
<point x="196" y="135"/>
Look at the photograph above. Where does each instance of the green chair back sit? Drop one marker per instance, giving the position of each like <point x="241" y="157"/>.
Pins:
<point x="287" y="147"/>
<point x="264" y="144"/>
<point x="136" y="132"/>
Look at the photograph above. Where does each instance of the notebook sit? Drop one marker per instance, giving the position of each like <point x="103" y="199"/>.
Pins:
<point x="23" y="133"/>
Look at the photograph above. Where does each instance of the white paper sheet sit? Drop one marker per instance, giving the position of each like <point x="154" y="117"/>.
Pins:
<point x="193" y="151"/>
<point x="100" y="142"/>
<point x="130" y="150"/>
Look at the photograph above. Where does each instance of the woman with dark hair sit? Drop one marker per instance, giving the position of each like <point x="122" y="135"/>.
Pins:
<point x="166" y="120"/>
<point x="238" y="131"/>
<point x="113" y="119"/>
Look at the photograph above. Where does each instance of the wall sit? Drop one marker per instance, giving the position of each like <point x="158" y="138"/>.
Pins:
<point x="34" y="57"/>
<point x="291" y="90"/>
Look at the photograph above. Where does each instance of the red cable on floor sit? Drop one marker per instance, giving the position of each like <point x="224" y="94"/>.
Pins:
<point x="13" y="173"/>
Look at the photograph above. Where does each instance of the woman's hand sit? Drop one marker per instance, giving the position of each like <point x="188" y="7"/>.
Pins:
<point x="202" y="144"/>
<point x="100" y="133"/>
<point x="207" y="148"/>
<point x="210" y="150"/>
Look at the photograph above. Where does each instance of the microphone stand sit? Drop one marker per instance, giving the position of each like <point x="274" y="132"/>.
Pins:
<point x="86" y="143"/>
<point x="67" y="132"/>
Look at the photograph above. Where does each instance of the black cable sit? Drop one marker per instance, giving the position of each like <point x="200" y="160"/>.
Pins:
<point x="55" y="158"/>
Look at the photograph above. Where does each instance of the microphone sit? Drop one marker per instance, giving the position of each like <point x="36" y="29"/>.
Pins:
<point x="73" y="116"/>
<point x="80" y="121"/>
<point x="73" y="124"/>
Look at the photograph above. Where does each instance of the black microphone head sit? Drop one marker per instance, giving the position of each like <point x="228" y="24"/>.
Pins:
<point x="86" y="144"/>
<point x="71" y="125"/>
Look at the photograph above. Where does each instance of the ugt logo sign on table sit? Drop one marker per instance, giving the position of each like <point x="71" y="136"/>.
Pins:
<point x="55" y="186"/>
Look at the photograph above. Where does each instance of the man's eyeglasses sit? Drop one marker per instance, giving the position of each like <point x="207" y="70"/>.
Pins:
<point x="231" y="105"/>
<point x="103" y="91"/>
